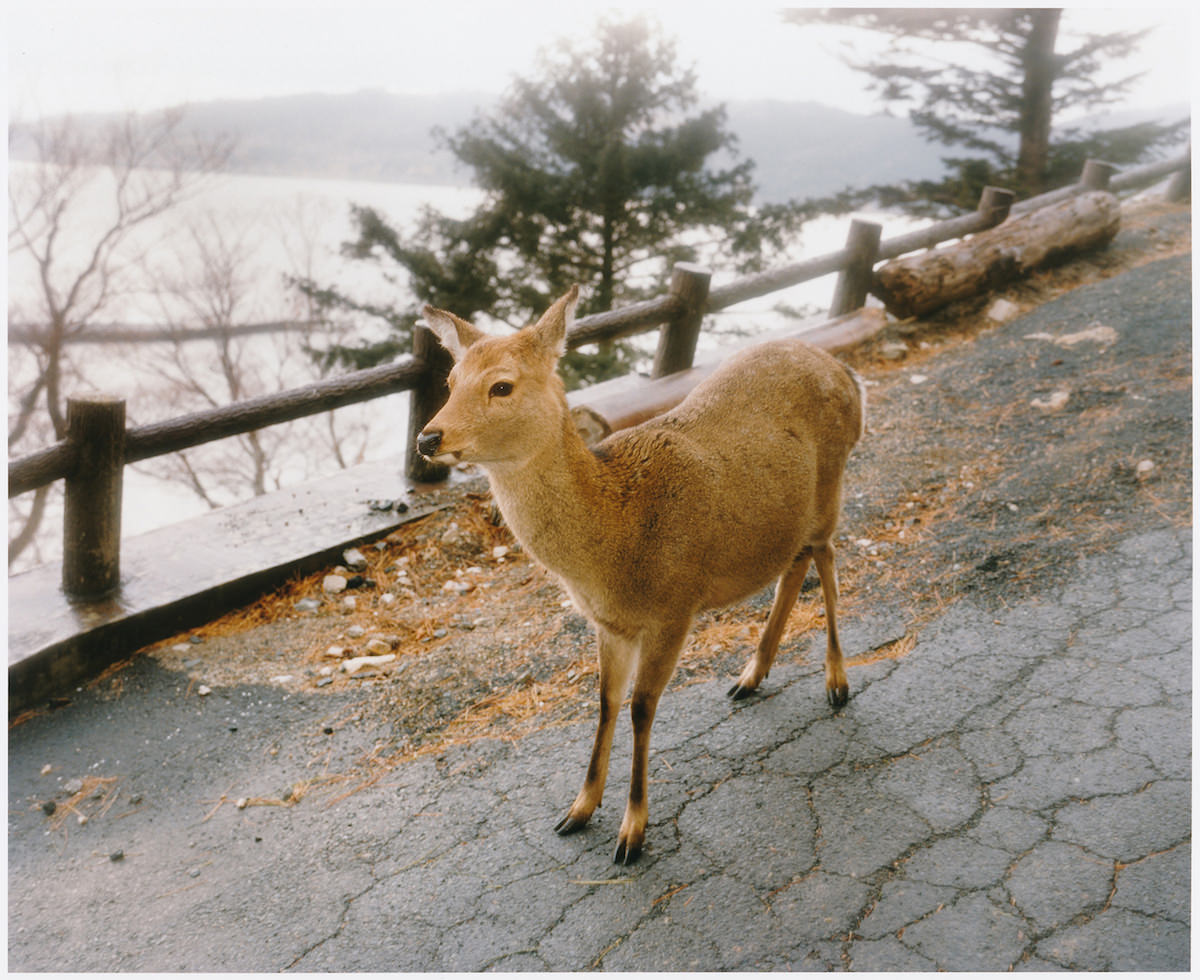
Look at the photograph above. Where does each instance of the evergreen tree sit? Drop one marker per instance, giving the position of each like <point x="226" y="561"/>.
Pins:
<point x="601" y="169"/>
<point x="996" y="94"/>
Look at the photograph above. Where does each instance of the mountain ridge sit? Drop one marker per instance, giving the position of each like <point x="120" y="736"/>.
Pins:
<point x="800" y="148"/>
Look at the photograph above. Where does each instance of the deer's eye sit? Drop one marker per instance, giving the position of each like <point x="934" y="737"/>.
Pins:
<point x="501" y="389"/>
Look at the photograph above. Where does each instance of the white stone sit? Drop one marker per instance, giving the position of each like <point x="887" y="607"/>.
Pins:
<point x="357" y="663"/>
<point x="1055" y="402"/>
<point x="1097" y="333"/>
<point x="334" y="583"/>
<point x="1003" y="310"/>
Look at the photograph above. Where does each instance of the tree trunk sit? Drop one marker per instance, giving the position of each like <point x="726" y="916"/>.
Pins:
<point x="1036" y="102"/>
<point x="925" y="282"/>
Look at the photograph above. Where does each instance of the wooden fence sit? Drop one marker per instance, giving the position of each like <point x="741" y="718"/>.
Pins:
<point x="91" y="459"/>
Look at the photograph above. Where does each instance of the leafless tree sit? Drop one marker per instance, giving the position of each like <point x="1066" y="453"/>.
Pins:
<point x="73" y="217"/>
<point x="216" y="284"/>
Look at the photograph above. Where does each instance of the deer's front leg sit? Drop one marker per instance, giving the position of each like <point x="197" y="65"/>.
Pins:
<point x="616" y="660"/>
<point x="656" y="664"/>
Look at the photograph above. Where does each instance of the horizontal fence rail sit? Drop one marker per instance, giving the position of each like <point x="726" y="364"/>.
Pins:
<point x="126" y="333"/>
<point x="616" y="324"/>
<point x="187" y="431"/>
<point x="679" y="314"/>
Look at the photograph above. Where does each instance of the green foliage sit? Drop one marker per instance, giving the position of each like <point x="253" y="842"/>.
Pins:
<point x="991" y="85"/>
<point x="1125" y="145"/>
<point x="597" y="170"/>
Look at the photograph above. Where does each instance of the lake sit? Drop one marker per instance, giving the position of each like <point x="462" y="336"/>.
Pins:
<point x="230" y="247"/>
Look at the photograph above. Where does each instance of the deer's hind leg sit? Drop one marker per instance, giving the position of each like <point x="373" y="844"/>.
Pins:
<point x="837" y="688"/>
<point x="787" y="591"/>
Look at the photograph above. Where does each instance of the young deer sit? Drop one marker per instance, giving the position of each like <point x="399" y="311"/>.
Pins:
<point x="736" y="487"/>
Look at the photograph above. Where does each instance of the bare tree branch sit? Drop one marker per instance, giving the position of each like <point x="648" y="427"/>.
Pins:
<point x="140" y="167"/>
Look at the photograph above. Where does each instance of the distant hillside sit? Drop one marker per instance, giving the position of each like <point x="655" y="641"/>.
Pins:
<point x="364" y="136"/>
<point x="804" y="149"/>
<point x="801" y="149"/>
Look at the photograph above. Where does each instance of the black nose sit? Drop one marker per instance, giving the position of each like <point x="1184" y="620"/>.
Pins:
<point x="428" y="442"/>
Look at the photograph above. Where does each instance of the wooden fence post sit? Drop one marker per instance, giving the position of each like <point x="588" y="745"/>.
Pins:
<point x="91" y="566"/>
<point x="677" y="339"/>
<point x="1096" y="175"/>
<point x="995" y="202"/>
<point x="854" y="281"/>
<point x="427" y="396"/>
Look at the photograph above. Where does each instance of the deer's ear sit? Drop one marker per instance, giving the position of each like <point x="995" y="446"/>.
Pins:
<point x="551" y="330"/>
<point x="454" y="332"/>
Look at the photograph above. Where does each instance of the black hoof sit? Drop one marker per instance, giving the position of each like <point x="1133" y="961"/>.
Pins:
<point x="627" y="855"/>
<point x="569" y="825"/>
<point x="739" y="693"/>
<point x="837" y="696"/>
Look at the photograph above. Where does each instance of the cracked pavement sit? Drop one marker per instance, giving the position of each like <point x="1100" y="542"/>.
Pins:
<point x="1013" y="792"/>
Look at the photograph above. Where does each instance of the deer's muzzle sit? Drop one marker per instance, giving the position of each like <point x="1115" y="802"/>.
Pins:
<point x="428" y="442"/>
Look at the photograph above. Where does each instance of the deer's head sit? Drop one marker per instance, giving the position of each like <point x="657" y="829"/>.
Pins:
<point x="506" y="398"/>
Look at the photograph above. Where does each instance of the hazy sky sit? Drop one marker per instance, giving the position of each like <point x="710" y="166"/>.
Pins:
<point x="117" y="56"/>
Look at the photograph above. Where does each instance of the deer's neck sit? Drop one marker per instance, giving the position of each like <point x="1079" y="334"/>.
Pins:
<point x="555" y="503"/>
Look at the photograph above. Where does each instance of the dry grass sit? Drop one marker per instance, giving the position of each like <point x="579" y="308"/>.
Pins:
<point x="890" y="651"/>
<point x="295" y="793"/>
<point x="99" y="791"/>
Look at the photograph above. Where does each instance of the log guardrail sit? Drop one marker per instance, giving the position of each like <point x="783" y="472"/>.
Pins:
<point x="98" y="446"/>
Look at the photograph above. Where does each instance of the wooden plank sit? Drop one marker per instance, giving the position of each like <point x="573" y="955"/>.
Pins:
<point x="632" y="399"/>
<point x="178" y="577"/>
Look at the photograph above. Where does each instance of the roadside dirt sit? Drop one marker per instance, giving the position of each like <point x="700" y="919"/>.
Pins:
<point x="997" y="454"/>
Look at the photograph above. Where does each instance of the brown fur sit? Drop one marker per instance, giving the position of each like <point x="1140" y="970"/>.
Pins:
<point x="738" y="486"/>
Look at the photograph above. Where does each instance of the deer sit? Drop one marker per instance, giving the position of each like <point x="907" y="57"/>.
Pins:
<point x="736" y="487"/>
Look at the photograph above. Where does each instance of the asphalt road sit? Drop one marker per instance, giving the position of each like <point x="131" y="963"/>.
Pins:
<point x="1014" y="791"/>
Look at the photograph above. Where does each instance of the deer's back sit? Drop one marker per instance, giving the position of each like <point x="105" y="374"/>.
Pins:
<point x="787" y="389"/>
<point x="741" y="476"/>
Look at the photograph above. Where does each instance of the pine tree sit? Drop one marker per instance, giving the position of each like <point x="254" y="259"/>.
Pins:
<point x="993" y="82"/>
<point x="600" y="169"/>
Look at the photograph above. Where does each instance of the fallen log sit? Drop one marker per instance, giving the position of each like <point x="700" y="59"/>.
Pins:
<point x="919" y="284"/>
<point x="626" y="401"/>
